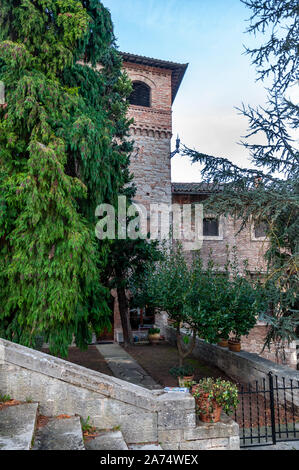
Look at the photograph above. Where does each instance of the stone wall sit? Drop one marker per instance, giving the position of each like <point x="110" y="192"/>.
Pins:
<point x="244" y="367"/>
<point x="151" y="167"/>
<point x="144" y="416"/>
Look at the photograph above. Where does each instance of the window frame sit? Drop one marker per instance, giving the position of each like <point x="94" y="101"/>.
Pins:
<point x="149" y="97"/>
<point x="220" y="219"/>
<point x="252" y="233"/>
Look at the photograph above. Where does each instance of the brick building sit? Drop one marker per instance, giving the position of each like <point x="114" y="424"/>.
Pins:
<point x="155" y="85"/>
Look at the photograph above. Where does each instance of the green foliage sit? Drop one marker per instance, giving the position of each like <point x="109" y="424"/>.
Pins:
<point x="209" y="302"/>
<point x="154" y="331"/>
<point x="165" y="285"/>
<point x="223" y="392"/>
<point x="5" y="398"/>
<point x="182" y="371"/>
<point x="127" y="262"/>
<point x="63" y="151"/>
<point x="269" y="191"/>
<point x="86" y="426"/>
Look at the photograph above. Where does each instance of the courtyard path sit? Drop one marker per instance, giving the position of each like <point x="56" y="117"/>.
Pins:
<point x="124" y="367"/>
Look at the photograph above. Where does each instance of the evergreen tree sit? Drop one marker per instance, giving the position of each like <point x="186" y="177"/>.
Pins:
<point x="63" y="151"/>
<point x="270" y="192"/>
<point x="128" y="260"/>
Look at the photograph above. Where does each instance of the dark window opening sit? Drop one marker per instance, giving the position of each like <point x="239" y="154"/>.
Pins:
<point x="210" y="227"/>
<point x="141" y="95"/>
<point x="260" y="229"/>
<point x="142" y="318"/>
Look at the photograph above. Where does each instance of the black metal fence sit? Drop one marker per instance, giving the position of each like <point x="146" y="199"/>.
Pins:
<point x="268" y="411"/>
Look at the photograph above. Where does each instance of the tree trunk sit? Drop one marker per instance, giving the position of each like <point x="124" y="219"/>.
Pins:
<point x="183" y="354"/>
<point x="124" y="315"/>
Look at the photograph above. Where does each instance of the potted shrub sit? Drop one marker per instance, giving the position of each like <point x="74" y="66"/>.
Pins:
<point x="184" y="374"/>
<point x="224" y="327"/>
<point x="244" y="310"/>
<point x="223" y="342"/>
<point x="154" y="335"/>
<point x="213" y="396"/>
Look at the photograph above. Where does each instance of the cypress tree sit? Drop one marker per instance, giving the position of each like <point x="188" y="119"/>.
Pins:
<point x="63" y="151"/>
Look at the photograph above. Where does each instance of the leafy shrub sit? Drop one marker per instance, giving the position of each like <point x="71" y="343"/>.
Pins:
<point x="182" y="371"/>
<point x="223" y="392"/>
<point x="153" y="331"/>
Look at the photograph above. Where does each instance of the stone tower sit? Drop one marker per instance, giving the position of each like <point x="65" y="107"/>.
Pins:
<point x="155" y="85"/>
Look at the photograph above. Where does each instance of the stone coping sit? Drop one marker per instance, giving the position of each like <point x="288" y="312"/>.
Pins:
<point x="256" y="362"/>
<point x="109" y="387"/>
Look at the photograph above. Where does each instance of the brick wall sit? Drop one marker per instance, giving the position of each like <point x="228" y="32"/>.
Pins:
<point x="247" y="248"/>
<point x="152" y="132"/>
<point x="281" y="354"/>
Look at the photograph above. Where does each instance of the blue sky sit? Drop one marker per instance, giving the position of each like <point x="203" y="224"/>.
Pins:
<point x="209" y="35"/>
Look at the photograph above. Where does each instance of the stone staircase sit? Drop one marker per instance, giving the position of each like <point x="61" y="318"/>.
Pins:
<point x="134" y="417"/>
<point x="21" y="429"/>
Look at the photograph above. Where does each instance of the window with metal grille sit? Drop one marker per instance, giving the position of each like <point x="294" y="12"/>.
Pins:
<point x="260" y="229"/>
<point x="141" y="95"/>
<point x="210" y="227"/>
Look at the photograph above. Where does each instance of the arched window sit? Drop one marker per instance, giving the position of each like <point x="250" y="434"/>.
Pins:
<point x="141" y="95"/>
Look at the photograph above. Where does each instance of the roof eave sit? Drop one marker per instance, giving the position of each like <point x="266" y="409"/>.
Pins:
<point x="178" y="70"/>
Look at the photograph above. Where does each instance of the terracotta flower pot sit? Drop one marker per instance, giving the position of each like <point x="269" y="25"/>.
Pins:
<point x="234" y="346"/>
<point x="223" y="343"/>
<point x="208" y="410"/>
<point x="194" y="389"/>
<point x="154" y="339"/>
<point x="185" y="380"/>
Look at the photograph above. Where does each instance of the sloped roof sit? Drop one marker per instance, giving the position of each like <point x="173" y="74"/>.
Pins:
<point x="194" y="188"/>
<point x="178" y="70"/>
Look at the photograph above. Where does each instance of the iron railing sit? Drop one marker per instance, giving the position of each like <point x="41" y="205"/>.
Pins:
<point x="268" y="411"/>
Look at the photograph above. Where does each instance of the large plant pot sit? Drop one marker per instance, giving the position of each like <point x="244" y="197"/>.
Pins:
<point x="154" y="339"/>
<point x="234" y="346"/>
<point x="185" y="381"/>
<point x="223" y="343"/>
<point x="208" y="410"/>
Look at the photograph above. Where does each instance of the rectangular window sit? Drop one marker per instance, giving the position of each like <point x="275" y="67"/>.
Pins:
<point x="210" y="227"/>
<point x="260" y="229"/>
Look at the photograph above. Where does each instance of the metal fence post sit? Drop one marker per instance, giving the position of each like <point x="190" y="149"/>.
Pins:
<point x="272" y="407"/>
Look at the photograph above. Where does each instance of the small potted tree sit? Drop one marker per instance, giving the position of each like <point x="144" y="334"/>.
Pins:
<point x="154" y="335"/>
<point x="244" y="310"/>
<point x="184" y="374"/>
<point x="222" y="301"/>
<point x="212" y="396"/>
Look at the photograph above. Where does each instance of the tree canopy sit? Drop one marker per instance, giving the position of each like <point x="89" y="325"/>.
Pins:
<point x="209" y="302"/>
<point x="269" y="191"/>
<point x="63" y="151"/>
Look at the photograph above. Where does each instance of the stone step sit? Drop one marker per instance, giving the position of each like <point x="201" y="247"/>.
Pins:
<point x="110" y="440"/>
<point x="154" y="447"/>
<point x="17" y="426"/>
<point x="60" y="434"/>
